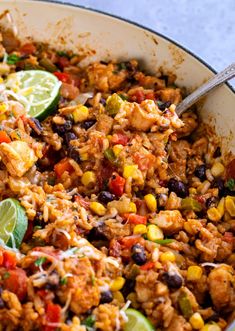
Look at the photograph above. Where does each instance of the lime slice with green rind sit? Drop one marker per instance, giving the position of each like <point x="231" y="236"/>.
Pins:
<point x="137" y="321"/>
<point x="13" y="222"/>
<point x="36" y="90"/>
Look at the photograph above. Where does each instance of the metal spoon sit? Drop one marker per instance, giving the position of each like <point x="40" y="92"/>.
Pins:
<point x="201" y="91"/>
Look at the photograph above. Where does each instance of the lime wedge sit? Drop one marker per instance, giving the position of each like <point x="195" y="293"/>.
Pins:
<point x="137" y="321"/>
<point x="13" y="222"/>
<point x="36" y="90"/>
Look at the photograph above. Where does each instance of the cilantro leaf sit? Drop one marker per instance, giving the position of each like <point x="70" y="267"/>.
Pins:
<point x="89" y="322"/>
<point x="13" y="59"/>
<point x="163" y="241"/>
<point x="64" y="281"/>
<point x="230" y="184"/>
<point x="40" y="261"/>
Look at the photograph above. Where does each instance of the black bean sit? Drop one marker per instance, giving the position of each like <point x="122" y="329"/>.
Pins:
<point x="212" y="202"/>
<point x="106" y="297"/>
<point x="178" y="187"/>
<point x="128" y="287"/>
<point x="138" y="254"/>
<point x="214" y="317"/>
<point x="163" y="105"/>
<point x="96" y="233"/>
<point x="88" y="124"/>
<point x="61" y="129"/>
<point x="106" y="196"/>
<point x="200" y="172"/>
<point x="219" y="183"/>
<point x="69" y="136"/>
<point x="2" y="304"/>
<point x="173" y="280"/>
<point x="74" y="154"/>
<point x="35" y="125"/>
<point x="217" y="152"/>
<point x="103" y="101"/>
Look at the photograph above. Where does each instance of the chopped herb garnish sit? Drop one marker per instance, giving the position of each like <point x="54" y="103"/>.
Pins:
<point x="64" y="281"/>
<point x="62" y="53"/>
<point x="230" y="183"/>
<point x="109" y="155"/>
<point x="124" y="97"/>
<point x="36" y="227"/>
<point x="92" y="280"/>
<point x="13" y="59"/>
<point x="40" y="261"/>
<point x="6" y="275"/>
<point x="121" y="66"/>
<point x="89" y="321"/>
<point x="163" y="241"/>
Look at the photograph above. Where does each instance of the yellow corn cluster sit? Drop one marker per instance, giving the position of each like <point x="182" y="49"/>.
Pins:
<point x="217" y="169"/>
<point x="154" y="232"/>
<point x="216" y="213"/>
<point x="167" y="257"/>
<point x="196" y="321"/>
<point x="88" y="178"/>
<point x="194" y="273"/>
<point x="80" y="114"/>
<point x="151" y="202"/>
<point x="230" y="205"/>
<point x="97" y="208"/>
<point x="131" y="171"/>
<point x="117" y="149"/>
<point x="117" y="284"/>
<point x="140" y="229"/>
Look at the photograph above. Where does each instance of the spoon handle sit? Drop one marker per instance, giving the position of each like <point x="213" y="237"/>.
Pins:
<point x="215" y="81"/>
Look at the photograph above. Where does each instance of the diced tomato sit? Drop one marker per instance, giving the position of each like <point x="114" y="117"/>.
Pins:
<point x="138" y="96"/>
<point x="15" y="280"/>
<point x="147" y="266"/>
<point x="150" y="96"/>
<point x="230" y="170"/>
<point x="63" y="77"/>
<point x="85" y="204"/>
<point x="116" y="184"/>
<point x="63" y="62"/>
<point x="128" y="242"/>
<point x="144" y="161"/>
<point x="9" y="259"/>
<point x="135" y="219"/>
<point x="1" y="258"/>
<point x="27" y="49"/>
<point x="4" y="138"/>
<point x="53" y="315"/>
<point x="119" y="138"/>
<point x="63" y="166"/>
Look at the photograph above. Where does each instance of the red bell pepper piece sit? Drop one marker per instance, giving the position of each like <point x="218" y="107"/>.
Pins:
<point x="128" y="242"/>
<point x="63" y="166"/>
<point x="135" y="219"/>
<point x="138" y="96"/>
<point x="63" y="77"/>
<point x="119" y="138"/>
<point x="4" y="138"/>
<point x="116" y="184"/>
<point x="53" y="315"/>
<point x="9" y="259"/>
<point x="147" y="266"/>
<point x="15" y="281"/>
<point x="28" y="49"/>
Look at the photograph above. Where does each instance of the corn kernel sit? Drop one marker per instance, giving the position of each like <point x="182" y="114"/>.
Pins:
<point x="117" y="149"/>
<point x="213" y="214"/>
<point x="230" y="205"/>
<point x="194" y="273"/>
<point x="211" y="327"/>
<point x="217" y="169"/>
<point x="109" y="137"/>
<point x="220" y="207"/>
<point x="84" y="156"/>
<point x="192" y="191"/>
<point x="3" y="108"/>
<point x="1" y="80"/>
<point x="196" y="321"/>
<point x="80" y="114"/>
<point x="117" y="284"/>
<point x="97" y="208"/>
<point x="132" y="207"/>
<point x="140" y="229"/>
<point x="167" y="256"/>
<point x="188" y="228"/>
<point x="118" y="296"/>
<point x="151" y="202"/>
<point x="88" y="178"/>
<point x="154" y="232"/>
<point x="2" y="117"/>
<point x="131" y="171"/>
